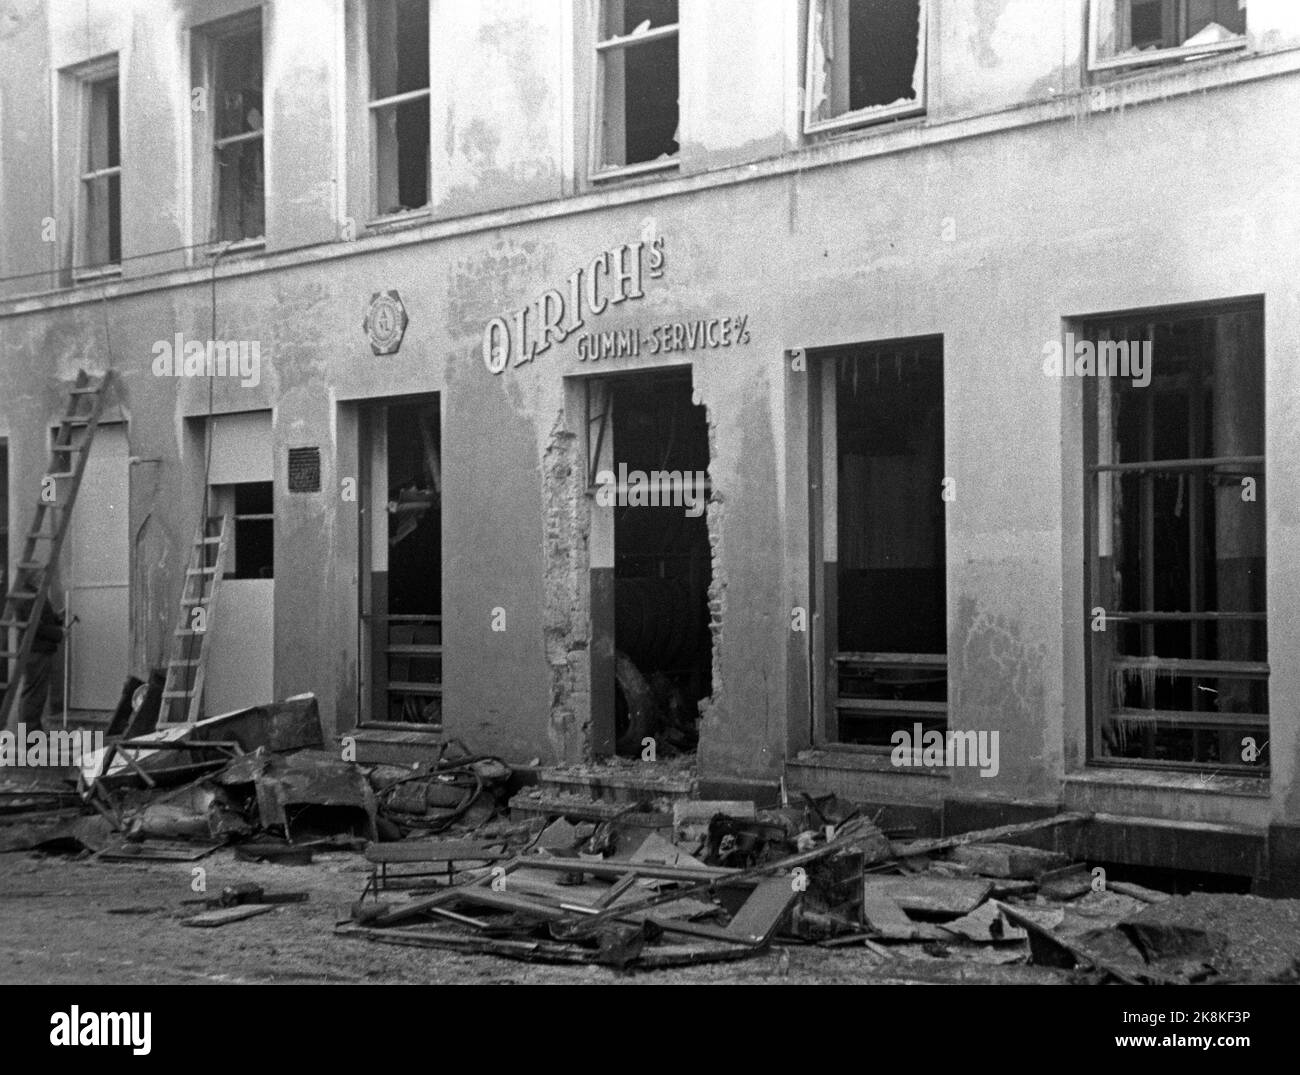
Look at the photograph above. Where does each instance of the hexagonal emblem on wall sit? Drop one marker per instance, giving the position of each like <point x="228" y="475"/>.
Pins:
<point x="385" y="322"/>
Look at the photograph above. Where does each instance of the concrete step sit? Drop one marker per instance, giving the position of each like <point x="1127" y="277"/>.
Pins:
<point x="620" y="783"/>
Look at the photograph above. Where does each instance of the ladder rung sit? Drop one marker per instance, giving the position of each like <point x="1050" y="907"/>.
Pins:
<point x="75" y="422"/>
<point x="185" y="664"/>
<point x="201" y="571"/>
<point x="208" y="541"/>
<point x="89" y="390"/>
<point x="30" y="565"/>
<point x="6" y="654"/>
<point x="178" y="694"/>
<point x="187" y="633"/>
<point x="63" y="474"/>
<point x="193" y="602"/>
<point x="69" y="447"/>
<point x="20" y="624"/>
<point x="23" y="595"/>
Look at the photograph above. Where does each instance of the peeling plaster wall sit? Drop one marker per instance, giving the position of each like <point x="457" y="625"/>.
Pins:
<point x="498" y="106"/>
<point x="994" y="54"/>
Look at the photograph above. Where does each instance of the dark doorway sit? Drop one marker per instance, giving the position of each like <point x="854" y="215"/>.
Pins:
<point x="662" y="562"/>
<point x="405" y="552"/>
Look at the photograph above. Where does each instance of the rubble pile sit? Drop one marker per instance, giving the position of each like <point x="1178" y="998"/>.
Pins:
<point x="462" y="855"/>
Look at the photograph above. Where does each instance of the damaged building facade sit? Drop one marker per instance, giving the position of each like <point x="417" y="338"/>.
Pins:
<point x="892" y="398"/>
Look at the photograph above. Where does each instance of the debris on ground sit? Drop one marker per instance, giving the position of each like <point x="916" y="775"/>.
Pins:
<point x="459" y="856"/>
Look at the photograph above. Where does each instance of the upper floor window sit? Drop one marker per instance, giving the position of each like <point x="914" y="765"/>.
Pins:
<point x="398" y="34"/>
<point x="100" y="208"/>
<point x="1127" y="33"/>
<point x="234" y="85"/>
<point x="637" y="87"/>
<point x="866" y="62"/>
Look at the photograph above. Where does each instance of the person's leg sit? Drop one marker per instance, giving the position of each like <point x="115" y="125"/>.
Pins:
<point x="36" y="689"/>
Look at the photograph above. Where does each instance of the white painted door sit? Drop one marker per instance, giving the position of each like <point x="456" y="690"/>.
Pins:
<point x="98" y="576"/>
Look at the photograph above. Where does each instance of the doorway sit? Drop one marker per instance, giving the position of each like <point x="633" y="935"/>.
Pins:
<point x="651" y="447"/>
<point x="401" y="598"/>
<point x="877" y="466"/>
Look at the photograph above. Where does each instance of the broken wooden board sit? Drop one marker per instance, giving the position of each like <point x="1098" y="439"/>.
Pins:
<point x="1052" y="950"/>
<point x="651" y="957"/>
<point x="406" y="851"/>
<point x="767" y="905"/>
<point x="157" y="851"/>
<point x="984" y="836"/>
<point x="886" y="919"/>
<point x="1066" y="883"/>
<point x="1008" y="860"/>
<point x="225" y="915"/>
<point x="986" y="925"/>
<point x="929" y="894"/>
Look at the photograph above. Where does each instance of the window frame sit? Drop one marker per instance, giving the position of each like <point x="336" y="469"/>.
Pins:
<point x="374" y="106"/>
<point x="207" y="41"/>
<point x="1098" y="63"/>
<point x="596" y="171"/>
<point x="1100" y="539"/>
<point x="876" y="113"/>
<point x="85" y="79"/>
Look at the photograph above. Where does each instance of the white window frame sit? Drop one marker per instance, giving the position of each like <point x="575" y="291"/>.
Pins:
<point x="87" y="77"/>
<point x="210" y="38"/>
<point x="1097" y="62"/>
<point x="876" y="113"/>
<point x="377" y="105"/>
<point x="597" y="172"/>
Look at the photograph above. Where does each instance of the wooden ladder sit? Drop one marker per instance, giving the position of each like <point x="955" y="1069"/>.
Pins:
<point x="182" y="694"/>
<point x="23" y="605"/>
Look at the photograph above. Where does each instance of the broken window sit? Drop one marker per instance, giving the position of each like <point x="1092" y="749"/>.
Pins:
<point x="1130" y="32"/>
<point x="878" y="413"/>
<point x="101" y="177"/>
<point x="866" y="61"/>
<point x="637" y="91"/>
<point x="399" y="104"/>
<point x="250" y="549"/>
<point x="239" y="165"/>
<point x="1177" y="541"/>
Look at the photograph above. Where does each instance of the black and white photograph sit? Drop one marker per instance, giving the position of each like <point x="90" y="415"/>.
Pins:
<point x="649" y="492"/>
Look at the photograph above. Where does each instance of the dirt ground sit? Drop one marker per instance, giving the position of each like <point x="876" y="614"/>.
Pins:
<point x="70" y="921"/>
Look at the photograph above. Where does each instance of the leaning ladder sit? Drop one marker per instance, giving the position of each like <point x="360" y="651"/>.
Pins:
<point x="182" y="694"/>
<point x="21" y="612"/>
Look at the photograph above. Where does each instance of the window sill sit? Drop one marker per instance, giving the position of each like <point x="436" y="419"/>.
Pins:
<point x="866" y="118"/>
<point x="1207" y="783"/>
<point x="408" y="218"/>
<point x="631" y="171"/>
<point x="1156" y="58"/>
<point x="94" y="276"/>
<point x="238" y="246"/>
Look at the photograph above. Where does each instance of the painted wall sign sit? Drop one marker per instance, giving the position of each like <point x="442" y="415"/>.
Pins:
<point x="707" y="333"/>
<point x="615" y="277"/>
<point x="386" y="322"/>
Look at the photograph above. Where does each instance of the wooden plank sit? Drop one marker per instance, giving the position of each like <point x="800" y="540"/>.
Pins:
<point x="225" y="915"/>
<point x="930" y="894"/>
<point x="1008" y="860"/>
<point x="767" y="905"/>
<point x="984" y="836"/>
<point x="435" y="851"/>
<point x="885" y="917"/>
